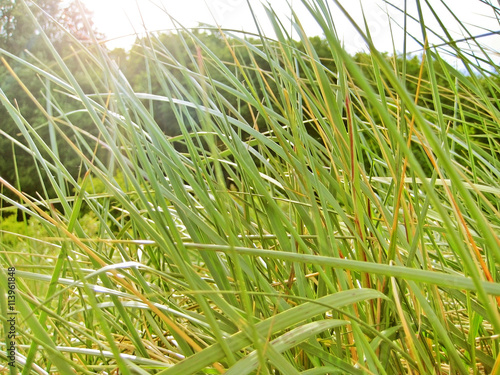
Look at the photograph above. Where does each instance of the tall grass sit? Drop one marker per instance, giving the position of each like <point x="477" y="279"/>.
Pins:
<point x="361" y="233"/>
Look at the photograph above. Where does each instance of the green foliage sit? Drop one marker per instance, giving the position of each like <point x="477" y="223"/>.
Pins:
<point x="19" y="37"/>
<point x="360" y="233"/>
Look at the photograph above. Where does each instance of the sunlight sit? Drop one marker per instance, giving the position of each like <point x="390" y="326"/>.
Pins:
<point x="122" y="20"/>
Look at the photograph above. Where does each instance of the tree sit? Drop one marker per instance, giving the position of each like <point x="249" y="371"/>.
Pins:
<point x="18" y="31"/>
<point x="19" y="36"/>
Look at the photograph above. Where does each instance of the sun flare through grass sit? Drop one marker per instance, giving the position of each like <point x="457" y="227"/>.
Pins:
<point x="314" y="212"/>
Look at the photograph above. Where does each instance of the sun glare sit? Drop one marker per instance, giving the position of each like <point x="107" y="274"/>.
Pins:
<point x="122" y="20"/>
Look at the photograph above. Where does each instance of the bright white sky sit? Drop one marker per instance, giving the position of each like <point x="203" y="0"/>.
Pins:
<point x="119" y="18"/>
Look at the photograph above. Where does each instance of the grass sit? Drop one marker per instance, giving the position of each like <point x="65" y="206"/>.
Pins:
<point x="361" y="234"/>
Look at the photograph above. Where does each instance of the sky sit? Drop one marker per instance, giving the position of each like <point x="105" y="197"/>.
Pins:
<point x="120" y="20"/>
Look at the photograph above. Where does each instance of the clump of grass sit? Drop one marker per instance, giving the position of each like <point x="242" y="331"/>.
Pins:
<point x="361" y="234"/>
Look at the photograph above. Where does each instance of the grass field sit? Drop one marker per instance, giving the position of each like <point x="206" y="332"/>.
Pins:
<point x="351" y="227"/>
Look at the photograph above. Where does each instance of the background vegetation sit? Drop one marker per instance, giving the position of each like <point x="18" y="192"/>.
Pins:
<point x="213" y="201"/>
